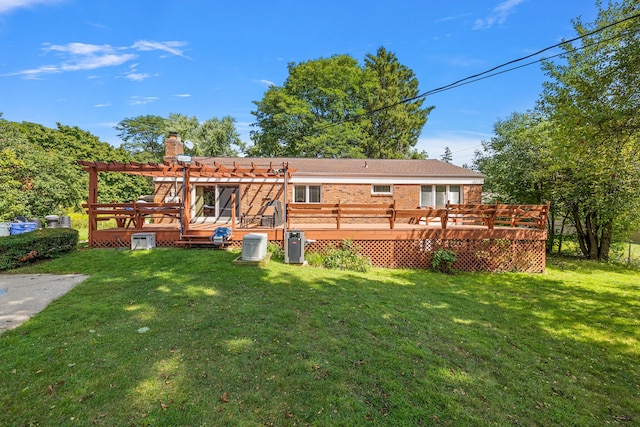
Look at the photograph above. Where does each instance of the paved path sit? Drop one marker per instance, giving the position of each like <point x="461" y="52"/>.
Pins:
<point x="24" y="295"/>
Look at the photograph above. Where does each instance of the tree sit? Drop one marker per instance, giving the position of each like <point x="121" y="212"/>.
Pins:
<point x="217" y="137"/>
<point x="580" y="148"/>
<point x="593" y="104"/>
<point x="395" y="123"/>
<point x="35" y="182"/>
<point x="309" y="115"/>
<point x="447" y="156"/>
<point x="143" y="137"/>
<point x="517" y="160"/>
<point x="333" y="107"/>
<point x="39" y="173"/>
<point x="184" y="126"/>
<point x="519" y="166"/>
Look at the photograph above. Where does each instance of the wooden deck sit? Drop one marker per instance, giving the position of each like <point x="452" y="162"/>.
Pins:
<point x="489" y="238"/>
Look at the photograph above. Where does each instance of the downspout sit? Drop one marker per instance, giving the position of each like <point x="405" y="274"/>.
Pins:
<point x="285" y="167"/>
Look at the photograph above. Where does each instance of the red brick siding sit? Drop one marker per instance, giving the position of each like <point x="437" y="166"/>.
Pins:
<point x="472" y="194"/>
<point x="255" y="195"/>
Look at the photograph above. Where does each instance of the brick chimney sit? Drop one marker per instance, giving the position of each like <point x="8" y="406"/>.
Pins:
<point x="173" y="146"/>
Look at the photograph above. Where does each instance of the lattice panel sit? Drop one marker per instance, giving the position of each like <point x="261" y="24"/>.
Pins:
<point x="473" y="255"/>
<point x="493" y="255"/>
<point x="124" y="242"/>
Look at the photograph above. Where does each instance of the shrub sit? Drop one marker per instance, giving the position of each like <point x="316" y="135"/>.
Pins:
<point x="443" y="260"/>
<point x="276" y="251"/>
<point x="345" y="257"/>
<point x="21" y="249"/>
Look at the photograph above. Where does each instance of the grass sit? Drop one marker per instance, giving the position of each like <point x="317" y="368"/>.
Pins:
<point x="286" y="345"/>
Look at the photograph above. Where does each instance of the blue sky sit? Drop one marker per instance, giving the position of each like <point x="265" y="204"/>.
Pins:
<point x="93" y="63"/>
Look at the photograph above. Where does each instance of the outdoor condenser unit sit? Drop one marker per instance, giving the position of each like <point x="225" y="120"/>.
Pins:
<point x="254" y="246"/>
<point x="294" y="247"/>
<point x="143" y="241"/>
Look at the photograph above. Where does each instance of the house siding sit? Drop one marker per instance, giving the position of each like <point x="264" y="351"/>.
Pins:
<point x="472" y="194"/>
<point x="254" y="195"/>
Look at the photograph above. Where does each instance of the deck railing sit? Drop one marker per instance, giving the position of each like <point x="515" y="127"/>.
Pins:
<point x="484" y="215"/>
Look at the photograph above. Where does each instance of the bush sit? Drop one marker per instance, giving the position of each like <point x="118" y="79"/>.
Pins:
<point x="345" y="257"/>
<point x="276" y="251"/>
<point x="21" y="249"/>
<point x="443" y="260"/>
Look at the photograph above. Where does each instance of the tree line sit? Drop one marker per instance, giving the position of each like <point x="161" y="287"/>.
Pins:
<point x="39" y="173"/>
<point x="580" y="147"/>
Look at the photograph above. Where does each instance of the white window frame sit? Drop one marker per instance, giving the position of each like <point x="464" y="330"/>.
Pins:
<point x="432" y="202"/>
<point x="381" y="193"/>
<point x="306" y="193"/>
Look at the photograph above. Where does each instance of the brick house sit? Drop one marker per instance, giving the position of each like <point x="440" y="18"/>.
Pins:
<point x="408" y="183"/>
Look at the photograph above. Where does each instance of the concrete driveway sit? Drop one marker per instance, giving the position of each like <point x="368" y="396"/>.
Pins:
<point x="24" y="295"/>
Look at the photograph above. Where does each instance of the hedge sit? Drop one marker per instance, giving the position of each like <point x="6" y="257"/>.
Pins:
<point x="21" y="249"/>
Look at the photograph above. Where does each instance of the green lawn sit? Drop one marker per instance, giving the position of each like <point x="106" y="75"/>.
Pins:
<point x="233" y="345"/>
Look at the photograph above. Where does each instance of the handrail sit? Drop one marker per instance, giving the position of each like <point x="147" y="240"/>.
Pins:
<point x="488" y="215"/>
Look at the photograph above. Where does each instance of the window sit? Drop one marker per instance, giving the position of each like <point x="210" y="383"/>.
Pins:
<point x="454" y="194"/>
<point x="381" y="189"/>
<point x="306" y="193"/>
<point x="426" y="196"/>
<point x="439" y="195"/>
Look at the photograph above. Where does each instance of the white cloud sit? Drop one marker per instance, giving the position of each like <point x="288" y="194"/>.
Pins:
<point x="452" y="17"/>
<point x="136" y="77"/>
<point x="498" y="15"/>
<point x="266" y="82"/>
<point x="169" y="47"/>
<point x="183" y="95"/>
<point x="102" y="105"/>
<point x="84" y="56"/>
<point x="7" y="5"/>
<point x="142" y="100"/>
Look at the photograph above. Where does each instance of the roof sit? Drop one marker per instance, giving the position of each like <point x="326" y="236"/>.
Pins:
<point x="376" y="171"/>
<point x="195" y="169"/>
<point x="352" y="167"/>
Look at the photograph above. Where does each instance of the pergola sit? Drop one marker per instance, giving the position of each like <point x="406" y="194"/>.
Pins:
<point x="186" y="170"/>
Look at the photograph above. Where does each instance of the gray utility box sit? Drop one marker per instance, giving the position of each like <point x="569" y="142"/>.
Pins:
<point x="143" y="241"/>
<point x="294" y="242"/>
<point x="254" y="246"/>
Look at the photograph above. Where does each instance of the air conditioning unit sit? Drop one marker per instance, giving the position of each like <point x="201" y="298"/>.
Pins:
<point x="254" y="246"/>
<point x="294" y="247"/>
<point x="143" y="241"/>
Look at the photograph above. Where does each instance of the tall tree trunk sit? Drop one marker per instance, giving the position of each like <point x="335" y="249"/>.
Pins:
<point x="582" y="241"/>
<point x="592" y="236"/>
<point x="605" y="242"/>
<point x="551" y="236"/>
<point x="561" y="237"/>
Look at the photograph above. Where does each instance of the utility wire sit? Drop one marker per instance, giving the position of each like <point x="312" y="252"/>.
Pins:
<point x="482" y="76"/>
<point x="490" y="73"/>
<point x="456" y="83"/>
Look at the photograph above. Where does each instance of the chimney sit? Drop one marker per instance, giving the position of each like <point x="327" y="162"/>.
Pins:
<point x="173" y="146"/>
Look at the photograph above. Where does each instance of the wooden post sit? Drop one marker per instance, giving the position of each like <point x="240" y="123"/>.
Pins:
<point x="392" y="220"/>
<point x="233" y="211"/>
<point x="186" y="203"/>
<point x="91" y="200"/>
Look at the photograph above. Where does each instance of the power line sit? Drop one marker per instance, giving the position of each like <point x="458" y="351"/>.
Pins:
<point x="490" y="72"/>
<point x="457" y="83"/>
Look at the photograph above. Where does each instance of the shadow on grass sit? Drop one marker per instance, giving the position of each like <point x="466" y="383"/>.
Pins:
<point x="286" y="345"/>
